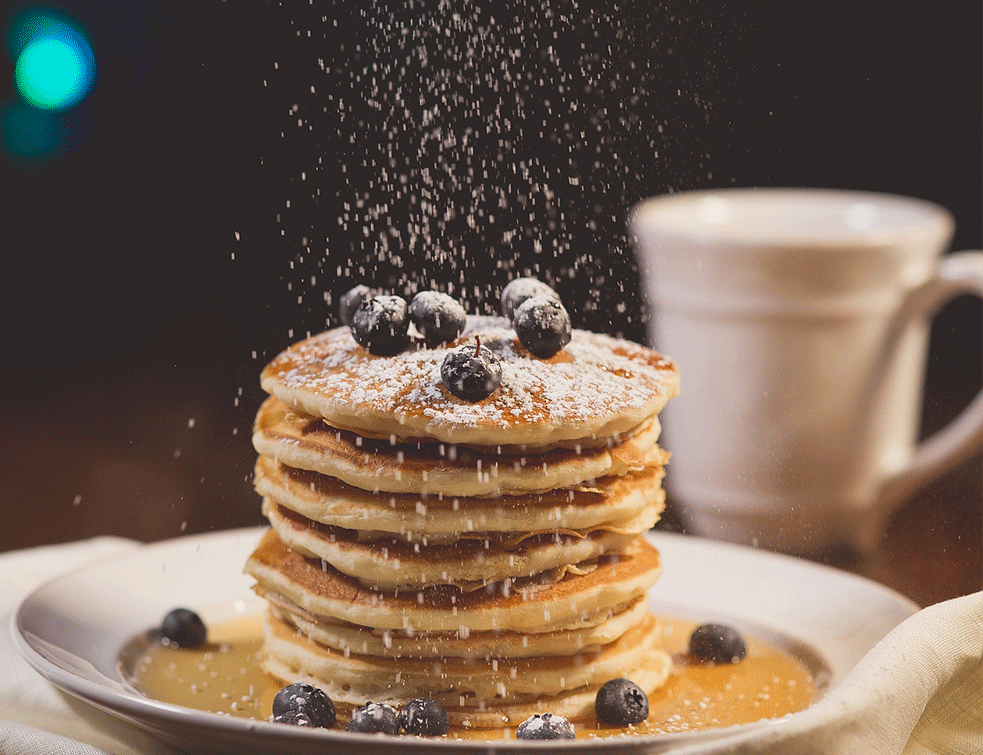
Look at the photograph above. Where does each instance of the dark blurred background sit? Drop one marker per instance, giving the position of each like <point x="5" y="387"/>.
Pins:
<point x="185" y="226"/>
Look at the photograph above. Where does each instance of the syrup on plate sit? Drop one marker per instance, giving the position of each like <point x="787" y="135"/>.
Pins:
<point x="224" y="677"/>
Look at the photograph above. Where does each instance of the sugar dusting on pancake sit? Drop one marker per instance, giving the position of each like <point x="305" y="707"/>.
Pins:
<point x="596" y="385"/>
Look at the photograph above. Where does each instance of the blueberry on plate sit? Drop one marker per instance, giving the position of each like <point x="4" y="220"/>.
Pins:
<point x="470" y="372"/>
<point x="520" y="289"/>
<point x="545" y="726"/>
<point x="621" y="702"/>
<point x="308" y="701"/>
<point x="542" y="325"/>
<point x="183" y="628"/>
<point x="351" y="300"/>
<point x="424" y="717"/>
<point x="374" y="718"/>
<point x="381" y="324"/>
<point x="439" y="318"/>
<point x="718" y="643"/>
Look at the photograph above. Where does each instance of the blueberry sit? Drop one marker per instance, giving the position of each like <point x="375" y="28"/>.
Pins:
<point x="308" y="701"/>
<point x="294" y="718"/>
<point x="471" y="372"/>
<point x="424" y="717"/>
<point x="373" y="718"/>
<point x="545" y="726"/>
<point x="184" y="629"/>
<point x="351" y="300"/>
<point x="621" y="702"/>
<point x="439" y="317"/>
<point x="519" y="290"/>
<point x="381" y="324"/>
<point x="718" y="643"/>
<point x="542" y="325"/>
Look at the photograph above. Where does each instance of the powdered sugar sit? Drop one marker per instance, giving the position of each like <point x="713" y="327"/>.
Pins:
<point x="594" y="379"/>
<point x="521" y="289"/>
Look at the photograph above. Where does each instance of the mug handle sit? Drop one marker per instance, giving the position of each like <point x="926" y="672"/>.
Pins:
<point x="958" y="273"/>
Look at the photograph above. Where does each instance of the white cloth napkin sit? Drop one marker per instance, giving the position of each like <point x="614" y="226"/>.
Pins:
<point x="919" y="692"/>
<point x="35" y="717"/>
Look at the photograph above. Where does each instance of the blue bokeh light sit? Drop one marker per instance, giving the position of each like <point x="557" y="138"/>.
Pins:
<point x="55" y="67"/>
<point x="54" y="70"/>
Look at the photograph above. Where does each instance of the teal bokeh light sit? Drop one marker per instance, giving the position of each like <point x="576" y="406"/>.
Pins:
<point x="29" y="134"/>
<point x="55" y="67"/>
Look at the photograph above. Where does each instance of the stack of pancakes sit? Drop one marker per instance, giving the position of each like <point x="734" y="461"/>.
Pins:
<point x="487" y="555"/>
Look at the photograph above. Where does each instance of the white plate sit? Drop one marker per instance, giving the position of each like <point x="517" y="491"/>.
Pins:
<point x="73" y="629"/>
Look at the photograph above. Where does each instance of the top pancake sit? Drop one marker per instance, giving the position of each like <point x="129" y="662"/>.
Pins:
<point x="597" y="387"/>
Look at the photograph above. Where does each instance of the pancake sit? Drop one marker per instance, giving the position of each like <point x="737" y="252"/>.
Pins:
<point x="475" y="694"/>
<point x="343" y="636"/>
<point x="595" y="388"/>
<point x="468" y="564"/>
<point x="301" y="441"/>
<point x="650" y="673"/>
<point x="447" y="679"/>
<point x="521" y="605"/>
<point x="611" y="502"/>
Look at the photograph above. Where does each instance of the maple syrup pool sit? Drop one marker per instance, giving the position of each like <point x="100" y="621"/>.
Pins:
<point x="775" y="678"/>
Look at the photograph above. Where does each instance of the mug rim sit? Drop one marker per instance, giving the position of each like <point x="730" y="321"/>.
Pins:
<point x="663" y="215"/>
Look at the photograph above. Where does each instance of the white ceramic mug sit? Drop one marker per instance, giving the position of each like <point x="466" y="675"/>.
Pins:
<point x="799" y="320"/>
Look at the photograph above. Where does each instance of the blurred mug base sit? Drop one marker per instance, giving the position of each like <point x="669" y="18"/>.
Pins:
<point x="784" y="532"/>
